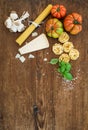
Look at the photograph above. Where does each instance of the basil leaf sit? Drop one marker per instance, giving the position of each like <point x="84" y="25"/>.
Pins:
<point x="54" y="61"/>
<point x="59" y="70"/>
<point x="62" y="63"/>
<point x="68" y="67"/>
<point x="62" y="69"/>
<point x="68" y="76"/>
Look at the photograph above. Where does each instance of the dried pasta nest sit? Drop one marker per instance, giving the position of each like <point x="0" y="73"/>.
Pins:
<point x="74" y="54"/>
<point x="64" y="37"/>
<point x="57" y="49"/>
<point x="64" y="57"/>
<point x="67" y="46"/>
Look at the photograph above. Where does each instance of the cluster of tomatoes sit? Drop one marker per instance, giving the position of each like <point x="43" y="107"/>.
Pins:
<point x="72" y="23"/>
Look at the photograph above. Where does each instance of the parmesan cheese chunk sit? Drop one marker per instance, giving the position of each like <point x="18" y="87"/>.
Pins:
<point x="39" y="43"/>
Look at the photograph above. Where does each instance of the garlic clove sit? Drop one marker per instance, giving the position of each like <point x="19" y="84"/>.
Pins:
<point x="17" y="22"/>
<point x="13" y="15"/>
<point x="13" y="28"/>
<point x="24" y="16"/>
<point x="21" y="27"/>
<point x="8" y="22"/>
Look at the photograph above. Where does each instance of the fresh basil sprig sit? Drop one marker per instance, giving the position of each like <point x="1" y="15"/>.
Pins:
<point x="63" y="68"/>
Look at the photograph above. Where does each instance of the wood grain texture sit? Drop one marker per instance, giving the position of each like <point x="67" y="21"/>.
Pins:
<point x="61" y="105"/>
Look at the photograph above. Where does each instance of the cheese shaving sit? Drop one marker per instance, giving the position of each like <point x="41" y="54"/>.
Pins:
<point x="17" y="56"/>
<point x="31" y="56"/>
<point x="22" y="59"/>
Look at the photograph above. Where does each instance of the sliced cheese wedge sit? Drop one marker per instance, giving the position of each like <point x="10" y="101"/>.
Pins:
<point x="39" y="43"/>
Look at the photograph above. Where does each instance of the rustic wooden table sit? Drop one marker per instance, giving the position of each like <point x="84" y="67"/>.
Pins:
<point x="61" y="105"/>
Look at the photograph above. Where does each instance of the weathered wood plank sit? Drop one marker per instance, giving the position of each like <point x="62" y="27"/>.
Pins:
<point x="62" y="105"/>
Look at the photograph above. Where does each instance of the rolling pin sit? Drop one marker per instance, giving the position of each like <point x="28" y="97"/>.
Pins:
<point x="32" y="27"/>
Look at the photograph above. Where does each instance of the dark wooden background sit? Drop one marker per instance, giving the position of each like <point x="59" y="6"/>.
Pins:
<point x="62" y="105"/>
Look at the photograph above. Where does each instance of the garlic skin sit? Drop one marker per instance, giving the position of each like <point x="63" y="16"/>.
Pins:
<point x="14" y="15"/>
<point x="8" y="23"/>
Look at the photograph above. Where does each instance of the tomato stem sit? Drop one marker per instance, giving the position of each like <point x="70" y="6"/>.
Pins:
<point x="76" y="22"/>
<point x="52" y="28"/>
<point x="58" y="9"/>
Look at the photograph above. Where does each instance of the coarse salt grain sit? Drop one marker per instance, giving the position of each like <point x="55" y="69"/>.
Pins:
<point x="22" y="59"/>
<point x="17" y="56"/>
<point x="68" y="85"/>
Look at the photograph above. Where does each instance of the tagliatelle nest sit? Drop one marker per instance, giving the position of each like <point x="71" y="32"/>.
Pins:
<point x="74" y="54"/>
<point x="64" y="57"/>
<point x="57" y="49"/>
<point x="64" y="37"/>
<point x="67" y="46"/>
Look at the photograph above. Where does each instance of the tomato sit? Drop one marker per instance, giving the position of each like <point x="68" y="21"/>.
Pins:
<point x="58" y="11"/>
<point x="73" y="23"/>
<point x="54" y="28"/>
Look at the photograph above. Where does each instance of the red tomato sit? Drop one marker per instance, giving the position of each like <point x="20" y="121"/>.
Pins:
<point x="58" y="11"/>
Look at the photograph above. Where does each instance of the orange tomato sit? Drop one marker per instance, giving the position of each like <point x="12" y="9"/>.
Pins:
<point x="73" y="23"/>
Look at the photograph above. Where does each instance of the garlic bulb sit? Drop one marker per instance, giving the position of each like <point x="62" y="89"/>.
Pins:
<point x="8" y="22"/>
<point x="13" y="15"/>
<point x="14" y="23"/>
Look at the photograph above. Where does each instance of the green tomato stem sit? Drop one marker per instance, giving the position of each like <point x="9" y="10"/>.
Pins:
<point x="76" y="22"/>
<point x="58" y="9"/>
